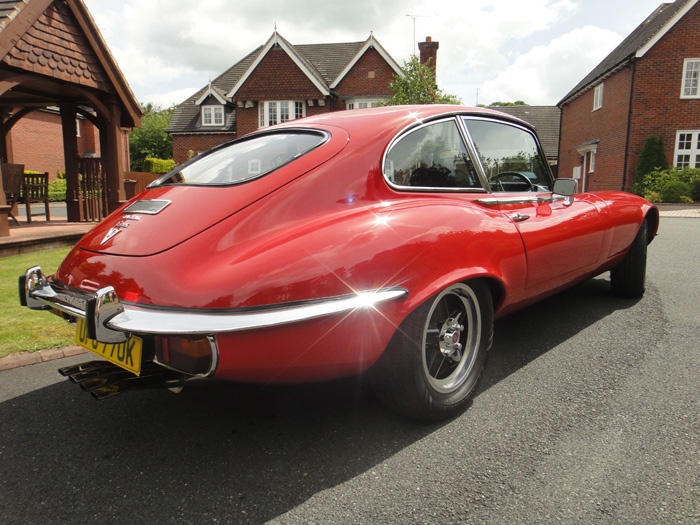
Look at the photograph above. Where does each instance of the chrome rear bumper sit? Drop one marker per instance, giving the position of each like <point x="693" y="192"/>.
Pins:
<point x="110" y="320"/>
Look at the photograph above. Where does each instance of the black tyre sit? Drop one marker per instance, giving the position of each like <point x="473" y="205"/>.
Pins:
<point x="628" y="278"/>
<point x="432" y="366"/>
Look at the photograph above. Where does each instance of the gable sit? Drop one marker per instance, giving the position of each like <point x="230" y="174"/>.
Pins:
<point x="277" y="77"/>
<point x="56" y="46"/>
<point x="370" y="75"/>
<point x="277" y="43"/>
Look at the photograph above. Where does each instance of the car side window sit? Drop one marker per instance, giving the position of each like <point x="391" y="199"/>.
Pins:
<point x="432" y="157"/>
<point x="510" y="156"/>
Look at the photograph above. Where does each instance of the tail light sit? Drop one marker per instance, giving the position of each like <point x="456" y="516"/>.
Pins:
<point x="195" y="355"/>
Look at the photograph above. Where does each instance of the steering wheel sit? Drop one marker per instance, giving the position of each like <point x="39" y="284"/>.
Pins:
<point x="496" y="179"/>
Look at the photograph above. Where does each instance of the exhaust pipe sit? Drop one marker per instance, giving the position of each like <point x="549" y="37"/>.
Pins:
<point x="103" y="379"/>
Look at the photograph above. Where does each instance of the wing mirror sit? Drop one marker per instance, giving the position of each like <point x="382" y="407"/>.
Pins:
<point x="566" y="187"/>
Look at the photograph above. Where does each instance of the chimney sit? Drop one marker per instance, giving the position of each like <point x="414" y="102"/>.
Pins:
<point x="428" y="51"/>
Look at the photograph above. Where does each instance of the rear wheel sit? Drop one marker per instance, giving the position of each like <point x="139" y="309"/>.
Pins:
<point x="433" y="364"/>
<point x="628" y="278"/>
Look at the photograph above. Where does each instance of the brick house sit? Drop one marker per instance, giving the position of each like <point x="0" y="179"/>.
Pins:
<point x="648" y="85"/>
<point x="277" y="82"/>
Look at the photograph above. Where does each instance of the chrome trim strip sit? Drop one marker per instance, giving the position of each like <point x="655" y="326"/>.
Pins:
<point x="110" y="321"/>
<point x="519" y="199"/>
<point x="153" y="321"/>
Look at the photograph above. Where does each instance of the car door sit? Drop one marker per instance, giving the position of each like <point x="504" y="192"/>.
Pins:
<point x="562" y="236"/>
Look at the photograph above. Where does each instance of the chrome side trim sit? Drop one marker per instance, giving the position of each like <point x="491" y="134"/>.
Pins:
<point x="154" y="321"/>
<point x="110" y="321"/>
<point x="519" y="199"/>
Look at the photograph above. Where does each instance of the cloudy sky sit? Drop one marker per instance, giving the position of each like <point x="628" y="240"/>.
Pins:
<point x="533" y="50"/>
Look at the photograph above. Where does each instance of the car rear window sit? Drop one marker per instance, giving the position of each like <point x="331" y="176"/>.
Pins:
<point x="245" y="159"/>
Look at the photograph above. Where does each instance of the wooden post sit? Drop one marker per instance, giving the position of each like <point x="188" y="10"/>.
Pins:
<point x="70" y="154"/>
<point x="4" y="213"/>
<point x="113" y="162"/>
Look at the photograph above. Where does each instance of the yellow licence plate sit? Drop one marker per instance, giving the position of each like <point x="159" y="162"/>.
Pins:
<point x="126" y="355"/>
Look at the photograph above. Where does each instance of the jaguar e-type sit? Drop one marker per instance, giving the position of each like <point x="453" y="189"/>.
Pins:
<point x="382" y="241"/>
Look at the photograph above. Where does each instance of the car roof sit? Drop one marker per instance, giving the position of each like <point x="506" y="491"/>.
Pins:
<point x="394" y="117"/>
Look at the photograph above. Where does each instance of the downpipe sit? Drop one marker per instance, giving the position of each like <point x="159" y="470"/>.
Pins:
<point x="102" y="379"/>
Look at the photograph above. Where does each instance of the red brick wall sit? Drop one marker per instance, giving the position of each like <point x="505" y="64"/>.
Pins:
<point x="656" y="108"/>
<point x="277" y="77"/>
<point x="183" y="144"/>
<point x="371" y="75"/>
<point x="608" y="125"/>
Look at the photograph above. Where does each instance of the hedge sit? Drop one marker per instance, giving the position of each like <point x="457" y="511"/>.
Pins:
<point x="653" y="184"/>
<point x="152" y="165"/>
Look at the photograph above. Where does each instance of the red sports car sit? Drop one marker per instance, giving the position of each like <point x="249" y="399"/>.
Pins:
<point x="382" y="241"/>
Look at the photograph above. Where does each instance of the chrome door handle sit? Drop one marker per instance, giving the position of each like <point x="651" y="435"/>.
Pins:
<point x="519" y="217"/>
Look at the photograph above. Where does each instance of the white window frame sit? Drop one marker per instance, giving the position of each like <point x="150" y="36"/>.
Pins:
<point x="213" y="115"/>
<point x="598" y="97"/>
<point x="271" y="112"/>
<point x="360" y="103"/>
<point x="687" y="153"/>
<point x="690" y="83"/>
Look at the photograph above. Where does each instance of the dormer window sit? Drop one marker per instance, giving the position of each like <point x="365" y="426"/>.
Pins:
<point x="212" y="115"/>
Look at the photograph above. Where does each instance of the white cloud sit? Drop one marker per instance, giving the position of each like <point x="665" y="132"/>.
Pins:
<point x="509" y="49"/>
<point x="546" y="73"/>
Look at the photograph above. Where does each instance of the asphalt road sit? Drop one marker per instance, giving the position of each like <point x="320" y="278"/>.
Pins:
<point x="589" y="414"/>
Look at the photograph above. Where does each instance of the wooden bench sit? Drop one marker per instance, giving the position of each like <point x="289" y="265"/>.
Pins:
<point x="35" y="189"/>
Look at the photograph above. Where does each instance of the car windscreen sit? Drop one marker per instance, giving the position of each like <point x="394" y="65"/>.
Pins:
<point x="245" y="159"/>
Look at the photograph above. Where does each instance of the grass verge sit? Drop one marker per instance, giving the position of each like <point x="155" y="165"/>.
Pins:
<point x="21" y="329"/>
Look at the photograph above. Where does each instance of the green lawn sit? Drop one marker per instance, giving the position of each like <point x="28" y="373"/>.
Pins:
<point x="21" y="329"/>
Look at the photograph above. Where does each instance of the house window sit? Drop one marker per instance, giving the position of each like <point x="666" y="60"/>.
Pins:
<point x="212" y="115"/>
<point x="598" y="97"/>
<point x="687" y="154"/>
<point x="362" y="103"/>
<point x="273" y="112"/>
<point x="691" y="73"/>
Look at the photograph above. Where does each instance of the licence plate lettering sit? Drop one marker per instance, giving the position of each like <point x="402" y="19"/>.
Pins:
<point x="126" y="355"/>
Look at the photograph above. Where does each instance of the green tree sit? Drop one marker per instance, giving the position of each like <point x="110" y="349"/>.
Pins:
<point x="499" y="104"/>
<point x="417" y="86"/>
<point x="652" y="157"/>
<point x="151" y="140"/>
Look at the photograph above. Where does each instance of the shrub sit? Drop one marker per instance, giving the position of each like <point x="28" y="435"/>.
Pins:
<point x="674" y="190"/>
<point x="657" y="179"/>
<point x="652" y="157"/>
<point x="653" y="196"/>
<point x="152" y="165"/>
<point x="57" y="190"/>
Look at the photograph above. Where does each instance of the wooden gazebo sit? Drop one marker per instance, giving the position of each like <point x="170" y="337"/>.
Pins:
<point x="53" y="55"/>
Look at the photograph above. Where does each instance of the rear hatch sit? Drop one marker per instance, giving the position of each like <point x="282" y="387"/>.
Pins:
<point x="167" y="215"/>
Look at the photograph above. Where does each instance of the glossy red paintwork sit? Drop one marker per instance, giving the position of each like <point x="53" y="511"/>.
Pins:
<point x="328" y="225"/>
